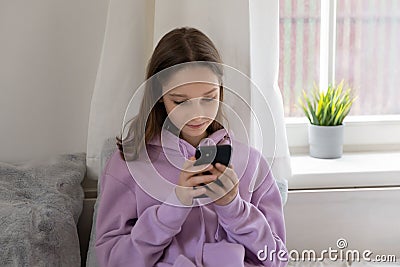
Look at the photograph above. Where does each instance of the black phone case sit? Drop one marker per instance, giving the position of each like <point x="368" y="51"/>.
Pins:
<point x="213" y="154"/>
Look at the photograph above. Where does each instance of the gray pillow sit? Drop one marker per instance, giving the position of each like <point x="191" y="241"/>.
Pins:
<point x="40" y="204"/>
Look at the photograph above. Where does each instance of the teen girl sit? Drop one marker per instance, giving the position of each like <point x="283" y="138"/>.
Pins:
<point x="235" y="228"/>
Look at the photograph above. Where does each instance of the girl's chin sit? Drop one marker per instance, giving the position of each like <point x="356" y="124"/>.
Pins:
<point x="194" y="133"/>
<point x="188" y="131"/>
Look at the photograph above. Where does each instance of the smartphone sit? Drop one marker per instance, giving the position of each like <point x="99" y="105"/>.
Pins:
<point x="212" y="154"/>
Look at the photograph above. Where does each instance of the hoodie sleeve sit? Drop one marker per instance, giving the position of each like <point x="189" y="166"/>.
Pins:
<point x="121" y="237"/>
<point x="258" y="225"/>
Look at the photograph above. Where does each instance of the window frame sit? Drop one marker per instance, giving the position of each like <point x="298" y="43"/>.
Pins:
<point x="362" y="132"/>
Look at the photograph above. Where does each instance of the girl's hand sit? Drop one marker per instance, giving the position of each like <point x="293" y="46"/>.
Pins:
<point x="188" y="180"/>
<point x="223" y="195"/>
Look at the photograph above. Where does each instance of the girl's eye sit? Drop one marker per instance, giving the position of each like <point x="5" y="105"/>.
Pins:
<point x="204" y="99"/>
<point x="178" y="102"/>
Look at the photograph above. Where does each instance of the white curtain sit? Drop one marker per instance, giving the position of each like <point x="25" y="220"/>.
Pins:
<point x="244" y="31"/>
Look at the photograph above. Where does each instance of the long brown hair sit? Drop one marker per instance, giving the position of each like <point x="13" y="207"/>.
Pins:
<point x="178" y="46"/>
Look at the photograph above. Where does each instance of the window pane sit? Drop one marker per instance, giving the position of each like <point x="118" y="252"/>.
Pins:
<point x="367" y="53"/>
<point x="299" y="31"/>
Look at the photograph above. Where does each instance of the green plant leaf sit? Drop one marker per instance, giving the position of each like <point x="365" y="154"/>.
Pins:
<point x="304" y="109"/>
<point x="338" y="115"/>
<point x="328" y="107"/>
<point x="311" y="109"/>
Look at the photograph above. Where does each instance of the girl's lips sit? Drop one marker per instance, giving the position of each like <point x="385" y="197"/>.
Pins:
<point x="195" y="126"/>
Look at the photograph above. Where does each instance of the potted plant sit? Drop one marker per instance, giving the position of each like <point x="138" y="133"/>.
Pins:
<point x="326" y="111"/>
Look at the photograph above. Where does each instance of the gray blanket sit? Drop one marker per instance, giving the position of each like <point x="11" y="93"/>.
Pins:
<point x="40" y="204"/>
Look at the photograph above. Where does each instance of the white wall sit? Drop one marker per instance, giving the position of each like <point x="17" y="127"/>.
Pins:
<point x="226" y="22"/>
<point x="367" y="218"/>
<point x="49" y="53"/>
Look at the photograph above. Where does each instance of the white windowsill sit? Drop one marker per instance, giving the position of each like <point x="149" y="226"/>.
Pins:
<point x="353" y="170"/>
<point x="361" y="133"/>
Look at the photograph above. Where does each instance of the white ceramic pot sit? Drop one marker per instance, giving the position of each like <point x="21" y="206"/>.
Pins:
<point x="326" y="142"/>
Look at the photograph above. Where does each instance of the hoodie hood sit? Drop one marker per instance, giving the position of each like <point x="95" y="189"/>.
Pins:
<point x="167" y="151"/>
<point x="173" y="145"/>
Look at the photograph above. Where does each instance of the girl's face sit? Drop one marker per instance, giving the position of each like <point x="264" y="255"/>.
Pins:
<point x="191" y="99"/>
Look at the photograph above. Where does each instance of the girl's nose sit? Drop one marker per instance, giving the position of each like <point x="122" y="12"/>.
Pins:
<point x="197" y="103"/>
<point x="197" y="108"/>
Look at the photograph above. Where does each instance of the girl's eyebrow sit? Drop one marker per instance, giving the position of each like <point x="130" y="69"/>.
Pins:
<point x="183" y="95"/>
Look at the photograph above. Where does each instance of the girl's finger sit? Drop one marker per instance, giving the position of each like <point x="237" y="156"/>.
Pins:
<point x="196" y="180"/>
<point x="218" y="190"/>
<point x="215" y="171"/>
<point x="220" y="167"/>
<point x="200" y="168"/>
<point x="211" y="194"/>
<point x="186" y="165"/>
<point x="197" y="192"/>
<point x="227" y="182"/>
<point x="228" y="172"/>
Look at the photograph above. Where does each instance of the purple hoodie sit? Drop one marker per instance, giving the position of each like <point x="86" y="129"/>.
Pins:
<point x="200" y="235"/>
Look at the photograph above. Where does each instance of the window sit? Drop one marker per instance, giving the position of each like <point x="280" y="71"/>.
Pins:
<point x="354" y="40"/>
<point x="299" y="38"/>
<point x="365" y="51"/>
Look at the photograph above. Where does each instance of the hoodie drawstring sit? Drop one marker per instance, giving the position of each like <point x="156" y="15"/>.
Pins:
<point x="199" y="254"/>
